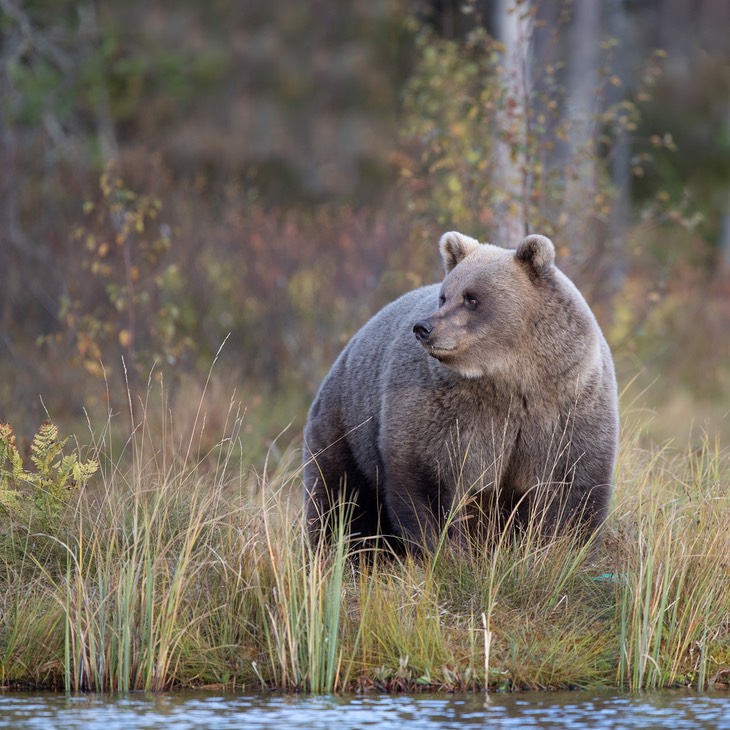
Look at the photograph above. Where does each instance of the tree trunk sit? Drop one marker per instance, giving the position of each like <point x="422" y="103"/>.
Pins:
<point x="510" y="175"/>
<point x="583" y="82"/>
<point x="585" y="235"/>
<point x="723" y="244"/>
<point x="105" y="132"/>
<point x="620" y="160"/>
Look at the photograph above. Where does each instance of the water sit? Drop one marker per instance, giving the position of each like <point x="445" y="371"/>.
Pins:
<point x="179" y="711"/>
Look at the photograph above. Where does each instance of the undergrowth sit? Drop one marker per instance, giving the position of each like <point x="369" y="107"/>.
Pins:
<point x="173" y="567"/>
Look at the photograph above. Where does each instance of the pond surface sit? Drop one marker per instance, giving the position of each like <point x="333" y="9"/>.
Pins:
<point x="181" y="710"/>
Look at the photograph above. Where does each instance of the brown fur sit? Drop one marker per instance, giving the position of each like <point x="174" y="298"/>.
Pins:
<point x="506" y="392"/>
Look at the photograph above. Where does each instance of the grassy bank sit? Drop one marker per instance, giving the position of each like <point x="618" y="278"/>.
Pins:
<point x="175" y="567"/>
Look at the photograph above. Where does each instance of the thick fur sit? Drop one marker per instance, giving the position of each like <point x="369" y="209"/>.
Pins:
<point x="495" y="387"/>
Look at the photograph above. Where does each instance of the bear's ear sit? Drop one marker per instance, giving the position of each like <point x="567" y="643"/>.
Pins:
<point x="455" y="247"/>
<point x="537" y="252"/>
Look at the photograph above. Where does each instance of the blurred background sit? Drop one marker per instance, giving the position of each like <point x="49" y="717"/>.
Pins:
<point x="174" y="175"/>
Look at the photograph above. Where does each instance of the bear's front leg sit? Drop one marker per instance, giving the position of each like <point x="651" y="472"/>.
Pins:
<point x="412" y="520"/>
<point x="572" y="509"/>
<point x="420" y="508"/>
<point x="576" y="505"/>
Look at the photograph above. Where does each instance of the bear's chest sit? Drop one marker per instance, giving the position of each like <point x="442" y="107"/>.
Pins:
<point x="479" y="430"/>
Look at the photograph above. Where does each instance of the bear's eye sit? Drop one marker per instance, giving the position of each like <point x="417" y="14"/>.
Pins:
<point x="470" y="301"/>
<point x="442" y="300"/>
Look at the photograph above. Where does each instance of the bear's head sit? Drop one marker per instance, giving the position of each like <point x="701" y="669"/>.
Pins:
<point x="501" y="310"/>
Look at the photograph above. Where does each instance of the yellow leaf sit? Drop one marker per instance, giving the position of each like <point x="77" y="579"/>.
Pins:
<point x="93" y="368"/>
<point x="454" y="184"/>
<point x="125" y="338"/>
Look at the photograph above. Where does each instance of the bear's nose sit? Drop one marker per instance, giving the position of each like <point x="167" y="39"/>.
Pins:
<point x="422" y="330"/>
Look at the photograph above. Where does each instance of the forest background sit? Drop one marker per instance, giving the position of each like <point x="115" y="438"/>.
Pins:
<point x="177" y="175"/>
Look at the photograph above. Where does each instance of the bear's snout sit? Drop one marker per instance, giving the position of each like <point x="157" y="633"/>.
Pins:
<point x="422" y="330"/>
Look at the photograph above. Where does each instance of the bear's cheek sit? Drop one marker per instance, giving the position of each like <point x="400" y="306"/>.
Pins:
<point x="486" y="341"/>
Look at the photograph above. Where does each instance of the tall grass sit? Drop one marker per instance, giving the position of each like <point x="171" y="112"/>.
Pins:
<point x="300" y="609"/>
<point x="674" y="596"/>
<point x="184" y="567"/>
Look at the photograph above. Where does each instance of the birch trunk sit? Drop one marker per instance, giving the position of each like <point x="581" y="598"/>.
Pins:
<point x="510" y="175"/>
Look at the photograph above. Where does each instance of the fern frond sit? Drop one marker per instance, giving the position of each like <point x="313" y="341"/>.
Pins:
<point x="13" y="474"/>
<point x="45" y="447"/>
<point x="83" y="472"/>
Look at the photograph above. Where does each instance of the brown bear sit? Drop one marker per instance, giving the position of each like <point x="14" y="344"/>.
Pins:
<point x="495" y="387"/>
